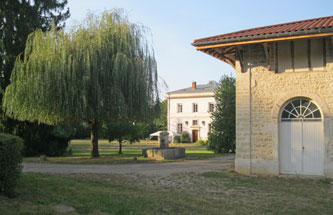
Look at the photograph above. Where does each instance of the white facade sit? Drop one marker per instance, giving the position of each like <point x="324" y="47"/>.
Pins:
<point x="195" y="122"/>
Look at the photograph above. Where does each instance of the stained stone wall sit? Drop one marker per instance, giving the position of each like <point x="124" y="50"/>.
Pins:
<point x="261" y="91"/>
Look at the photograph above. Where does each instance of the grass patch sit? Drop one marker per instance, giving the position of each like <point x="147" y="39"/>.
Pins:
<point x="109" y="153"/>
<point x="207" y="193"/>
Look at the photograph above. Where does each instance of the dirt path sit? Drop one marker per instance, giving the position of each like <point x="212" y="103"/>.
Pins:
<point x="215" y="164"/>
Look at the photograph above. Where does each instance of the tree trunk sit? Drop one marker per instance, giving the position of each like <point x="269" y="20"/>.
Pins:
<point x="120" y="147"/>
<point x="94" y="153"/>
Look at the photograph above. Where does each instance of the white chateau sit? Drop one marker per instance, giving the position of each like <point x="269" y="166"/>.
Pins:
<point x="190" y="110"/>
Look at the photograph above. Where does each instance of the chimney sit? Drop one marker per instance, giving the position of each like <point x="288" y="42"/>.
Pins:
<point x="194" y="85"/>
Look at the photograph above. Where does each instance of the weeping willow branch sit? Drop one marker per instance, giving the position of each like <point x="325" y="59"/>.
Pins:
<point x="101" y="70"/>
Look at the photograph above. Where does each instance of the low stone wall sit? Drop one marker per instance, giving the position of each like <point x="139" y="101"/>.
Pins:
<point x="164" y="154"/>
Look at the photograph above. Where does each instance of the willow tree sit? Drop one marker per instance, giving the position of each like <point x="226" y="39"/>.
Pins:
<point x="102" y="70"/>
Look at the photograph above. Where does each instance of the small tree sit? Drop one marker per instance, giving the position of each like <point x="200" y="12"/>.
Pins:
<point x="222" y="137"/>
<point x="121" y="131"/>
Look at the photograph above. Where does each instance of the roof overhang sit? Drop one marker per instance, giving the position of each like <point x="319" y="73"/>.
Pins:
<point x="264" y="38"/>
<point x="229" y="50"/>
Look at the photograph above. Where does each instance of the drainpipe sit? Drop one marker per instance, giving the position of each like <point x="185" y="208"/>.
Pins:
<point x="250" y="100"/>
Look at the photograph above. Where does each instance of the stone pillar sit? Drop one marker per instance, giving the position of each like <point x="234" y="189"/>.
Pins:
<point x="164" y="140"/>
<point x="243" y="113"/>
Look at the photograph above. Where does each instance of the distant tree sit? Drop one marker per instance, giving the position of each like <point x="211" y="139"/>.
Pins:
<point x="121" y="131"/>
<point x="222" y="137"/>
<point x="101" y="71"/>
<point x="160" y="122"/>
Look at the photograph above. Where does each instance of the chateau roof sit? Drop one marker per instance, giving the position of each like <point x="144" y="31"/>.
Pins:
<point x="211" y="86"/>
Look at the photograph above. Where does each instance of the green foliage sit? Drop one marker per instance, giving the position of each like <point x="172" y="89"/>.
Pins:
<point x="185" y="137"/>
<point x="43" y="139"/>
<point x="81" y="131"/>
<point x="18" y="19"/>
<point x="161" y="121"/>
<point x="102" y="70"/>
<point x="2" y="54"/>
<point x="201" y="143"/>
<point x="121" y="131"/>
<point x="98" y="71"/>
<point x="176" y="139"/>
<point x="10" y="160"/>
<point x="222" y="137"/>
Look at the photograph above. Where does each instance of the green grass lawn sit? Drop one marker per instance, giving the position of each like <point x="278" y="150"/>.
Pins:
<point x="206" y="193"/>
<point x="109" y="153"/>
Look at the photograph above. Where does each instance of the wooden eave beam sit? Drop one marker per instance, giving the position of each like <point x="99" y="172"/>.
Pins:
<point x="268" y="53"/>
<point x="227" y="57"/>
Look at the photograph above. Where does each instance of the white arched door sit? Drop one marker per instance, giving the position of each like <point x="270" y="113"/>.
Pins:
<point x="301" y="138"/>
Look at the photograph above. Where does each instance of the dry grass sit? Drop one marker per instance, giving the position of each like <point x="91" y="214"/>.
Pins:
<point x="206" y="193"/>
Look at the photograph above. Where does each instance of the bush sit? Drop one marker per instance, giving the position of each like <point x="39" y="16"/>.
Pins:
<point x="185" y="137"/>
<point x="176" y="139"/>
<point x="46" y="140"/>
<point x="10" y="160"/>
<point x="201" y="143"/>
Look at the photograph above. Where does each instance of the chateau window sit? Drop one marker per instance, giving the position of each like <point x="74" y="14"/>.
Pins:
<point x="194" y="122"/>
<point x="195" y="107"/>
<point x="209" y="128"/>
<point x="179" y="128"/>
<point x="211" y="107"/>
<point x="179" y="108"/>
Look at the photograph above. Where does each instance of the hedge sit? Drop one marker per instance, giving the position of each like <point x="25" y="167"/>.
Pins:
<point x="10" y="162"/>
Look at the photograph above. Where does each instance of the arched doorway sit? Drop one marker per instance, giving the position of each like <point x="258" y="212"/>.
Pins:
<point x="301" y="138"/>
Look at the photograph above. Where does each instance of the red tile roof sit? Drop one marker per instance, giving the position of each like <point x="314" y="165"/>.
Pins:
<point x="316" y="25"/>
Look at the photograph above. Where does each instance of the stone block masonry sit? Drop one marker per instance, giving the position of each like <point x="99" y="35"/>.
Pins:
<point x="260" y="95"/>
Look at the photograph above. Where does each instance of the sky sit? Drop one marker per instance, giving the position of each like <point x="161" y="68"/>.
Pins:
<point x="174" y="24"/>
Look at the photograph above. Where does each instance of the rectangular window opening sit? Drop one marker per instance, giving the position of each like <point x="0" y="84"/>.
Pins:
<point x="195" y="107"/>
<point x="179" y="108"/>
<point x="211" y="107"/>
<point x="179" y="128"/>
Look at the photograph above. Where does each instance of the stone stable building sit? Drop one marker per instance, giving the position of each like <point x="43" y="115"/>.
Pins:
<point x="284" y="96"/>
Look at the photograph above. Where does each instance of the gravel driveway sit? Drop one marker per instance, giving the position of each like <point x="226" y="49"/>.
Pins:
<point x="214" y="164"/>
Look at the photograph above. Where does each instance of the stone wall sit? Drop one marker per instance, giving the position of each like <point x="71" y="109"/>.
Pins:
<point x="260" y="93"/>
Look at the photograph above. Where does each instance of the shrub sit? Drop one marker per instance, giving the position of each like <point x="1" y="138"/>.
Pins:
<point x="201" y="143"/>
<point x="10" y="160"/>
<point x="176" y="139"/>
<point x="185" y="137"/>
<point x="45" y="139"/>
